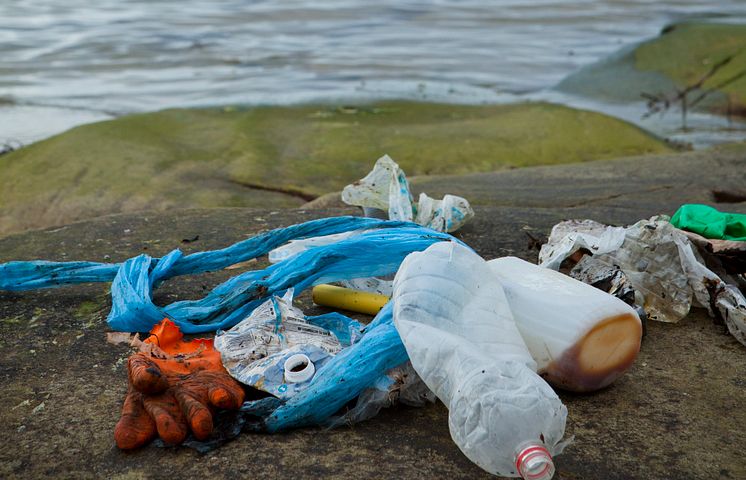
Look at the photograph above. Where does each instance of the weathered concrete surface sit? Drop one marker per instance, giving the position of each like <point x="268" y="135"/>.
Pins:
<point x="678" y="413"/>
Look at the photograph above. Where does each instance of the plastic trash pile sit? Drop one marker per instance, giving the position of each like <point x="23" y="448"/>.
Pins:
<point x="485" y="337"/>
<point x="667" y="271"/>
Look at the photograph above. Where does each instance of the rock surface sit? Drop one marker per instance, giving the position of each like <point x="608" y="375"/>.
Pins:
<point x="280" y="157"/>
<point x="677" y="414"/>
<point x="708" y="56"/>
<point x="645" y="185"/>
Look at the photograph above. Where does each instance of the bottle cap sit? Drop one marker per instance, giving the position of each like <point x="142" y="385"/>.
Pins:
<point x="534" y="462"/>
<point x="298" y="368"/>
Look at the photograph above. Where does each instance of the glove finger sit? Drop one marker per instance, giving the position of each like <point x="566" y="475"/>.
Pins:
<point x="165" y="411"/>
<point x="196" y="411"/>
<point x="225" y="392"/>
<point x="135" y="428"/>
<point x="145" y="375"/>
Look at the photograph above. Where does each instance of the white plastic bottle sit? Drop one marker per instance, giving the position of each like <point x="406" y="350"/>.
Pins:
<point x="457" y="327"/>
<point x="581" y="337"/>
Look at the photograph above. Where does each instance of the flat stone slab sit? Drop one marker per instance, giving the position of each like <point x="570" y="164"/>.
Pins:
<point x="677" y="414"/>
<point x="647" y="185"/>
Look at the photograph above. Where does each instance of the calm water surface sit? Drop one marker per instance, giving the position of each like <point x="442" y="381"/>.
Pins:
<point x="66" y="62"/>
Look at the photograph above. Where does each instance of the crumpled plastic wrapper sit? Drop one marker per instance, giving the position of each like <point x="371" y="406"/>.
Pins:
<point x="666" y="272"/>
<point x="255" y="350"/>
<point x="386" y="188"/>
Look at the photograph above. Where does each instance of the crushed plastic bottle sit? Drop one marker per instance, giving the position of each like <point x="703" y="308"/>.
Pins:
<point x="455" y="322"/>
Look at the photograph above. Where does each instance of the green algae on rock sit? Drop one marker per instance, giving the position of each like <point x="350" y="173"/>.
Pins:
<point x="708" y="58"/>
<point x="283" y="156"/>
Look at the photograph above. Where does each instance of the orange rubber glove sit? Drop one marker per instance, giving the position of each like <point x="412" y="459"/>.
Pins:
<point x="172" y="384"/>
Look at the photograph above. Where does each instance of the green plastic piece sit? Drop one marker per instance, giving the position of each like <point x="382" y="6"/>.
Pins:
<point x="710" y="223"/>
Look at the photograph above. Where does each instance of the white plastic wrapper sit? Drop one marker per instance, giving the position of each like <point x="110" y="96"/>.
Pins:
<point x="254" y="351"/>
<point x="456" y="324"/>
<point x="386" y="188"/>
<point x="572" y="235"/>
<point x="445" y="215"/>
<point x="660" y="263"/>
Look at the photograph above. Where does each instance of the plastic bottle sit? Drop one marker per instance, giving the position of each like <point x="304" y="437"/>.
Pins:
<point x="581" y="337"/>
<point x="457" y="327"/>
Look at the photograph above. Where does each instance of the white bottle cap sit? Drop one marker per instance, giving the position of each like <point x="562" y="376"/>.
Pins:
<point x="298" y="368"/>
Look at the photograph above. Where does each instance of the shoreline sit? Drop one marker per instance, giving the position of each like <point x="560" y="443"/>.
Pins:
<point x="216" y="157"/>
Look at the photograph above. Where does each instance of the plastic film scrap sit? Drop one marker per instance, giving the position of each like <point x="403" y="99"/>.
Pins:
<point x="344" y="377"/>
<point x="254" y="353"/>
<point x="386" y="188"/>
<point x="661" y="264"/>
<point x="255" y="350"/>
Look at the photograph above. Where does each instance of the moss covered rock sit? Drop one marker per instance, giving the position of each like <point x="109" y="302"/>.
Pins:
<point x="709" y="58"/>
<point x="284" y="156"/>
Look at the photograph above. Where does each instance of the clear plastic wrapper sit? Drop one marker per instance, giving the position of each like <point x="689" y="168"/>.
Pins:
<point x="386" y="188"/>
<point x="254" y="351"/>
<point x="661" y="264"/>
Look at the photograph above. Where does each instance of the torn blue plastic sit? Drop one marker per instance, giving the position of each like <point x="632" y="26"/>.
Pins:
<point x="17" y="276"/>
<point x="375" y="252"/>
<point x="371" y="253"/>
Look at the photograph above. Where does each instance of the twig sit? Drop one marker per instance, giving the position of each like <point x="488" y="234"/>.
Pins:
<point x="661" y="102"/>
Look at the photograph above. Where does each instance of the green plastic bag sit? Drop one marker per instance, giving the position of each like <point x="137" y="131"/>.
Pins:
<point x="710" y="223"/>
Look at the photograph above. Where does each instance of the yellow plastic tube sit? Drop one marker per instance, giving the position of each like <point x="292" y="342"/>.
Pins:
<point x="348" y="299"/>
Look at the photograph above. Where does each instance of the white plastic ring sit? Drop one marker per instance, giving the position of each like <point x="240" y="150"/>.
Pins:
<point x="298" y="368"/>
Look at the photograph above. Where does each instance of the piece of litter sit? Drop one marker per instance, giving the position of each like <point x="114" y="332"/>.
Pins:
<point x="255" y="350"/>
<point x="661" y="264"/>
<point x="22" y="404"/>
<point x="119" y="338"/>
<point x="386" y="188"/>
<point x="39" y="408"/>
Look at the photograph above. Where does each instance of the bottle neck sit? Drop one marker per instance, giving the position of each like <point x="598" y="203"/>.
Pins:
<point x="534" y="462"/>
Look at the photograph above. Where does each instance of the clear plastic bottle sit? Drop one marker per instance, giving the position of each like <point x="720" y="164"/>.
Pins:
<point x="455" y="322"/>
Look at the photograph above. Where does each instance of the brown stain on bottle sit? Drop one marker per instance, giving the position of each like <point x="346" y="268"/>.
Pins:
<point x="600" y="357"/>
